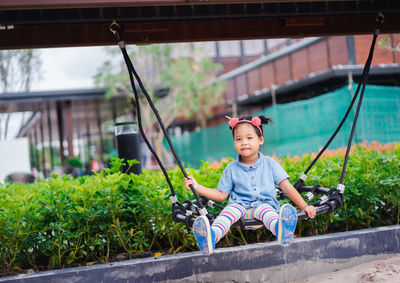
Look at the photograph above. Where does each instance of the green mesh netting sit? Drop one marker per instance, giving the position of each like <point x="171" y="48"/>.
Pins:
<point x="305" y="126"/>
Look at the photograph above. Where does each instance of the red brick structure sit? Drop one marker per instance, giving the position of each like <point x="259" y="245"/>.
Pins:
<point x="305" y="60"/>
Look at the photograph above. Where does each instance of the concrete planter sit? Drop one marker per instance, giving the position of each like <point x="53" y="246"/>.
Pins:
<point x="264" y="262"/>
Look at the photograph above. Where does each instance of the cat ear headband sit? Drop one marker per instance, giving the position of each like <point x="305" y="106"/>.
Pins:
<point x="255" y="121"/>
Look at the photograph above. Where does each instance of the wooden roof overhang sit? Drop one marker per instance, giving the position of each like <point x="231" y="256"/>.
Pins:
<point x="60" y="23"/>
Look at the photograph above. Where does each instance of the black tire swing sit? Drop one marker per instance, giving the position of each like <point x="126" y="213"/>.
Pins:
<point x="186" y="212"/>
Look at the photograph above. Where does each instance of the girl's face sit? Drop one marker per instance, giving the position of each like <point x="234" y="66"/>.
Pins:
<point x="246" y="141"/>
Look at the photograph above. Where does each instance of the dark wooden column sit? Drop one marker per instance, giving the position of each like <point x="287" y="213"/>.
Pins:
<point x="393" y="48"/>
<point x="88" y="136"/>
<point x="42" y="142"/>
<point x="70" y="133"/>
<point x="328" y="52"/>
<point x="50" y="130"/>
<point x="114" y="116"/>
<point x="100" y="134"/>
<point x="35" y="146"/>
<point x="60" y="114"/>
<point x="81" y="144"/>
<point x="32" y="148"/>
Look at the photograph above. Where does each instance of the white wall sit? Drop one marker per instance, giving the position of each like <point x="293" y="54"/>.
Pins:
<point x="14" y="157"/>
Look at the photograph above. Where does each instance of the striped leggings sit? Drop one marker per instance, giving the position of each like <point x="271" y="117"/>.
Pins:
<point x="233" y="212"/>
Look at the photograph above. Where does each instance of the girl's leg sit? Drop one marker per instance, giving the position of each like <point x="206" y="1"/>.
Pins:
<point x="229" y="215"/>
<point x="268" y="215"/>
<point x="204" y="235"/>
<point x="287" y="224"/>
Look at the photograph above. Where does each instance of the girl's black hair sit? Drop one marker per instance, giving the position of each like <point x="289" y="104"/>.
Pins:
<point x="264" y="120"/>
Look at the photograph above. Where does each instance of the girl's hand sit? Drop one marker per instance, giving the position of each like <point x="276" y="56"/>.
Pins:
<point x="310" y="210"/>
<point x="190" y="181"/>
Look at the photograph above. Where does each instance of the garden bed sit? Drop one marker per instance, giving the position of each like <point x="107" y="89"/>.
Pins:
<point x="63" y="222"/>
<point x="263" y="262"/>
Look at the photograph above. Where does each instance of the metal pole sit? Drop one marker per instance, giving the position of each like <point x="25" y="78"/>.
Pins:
<point x="218" y="56"/>
<point x="266" y="49"/>
<point x="351" y="50"/>
<point x="242" y="53"/>
<point x="273" y="94"/>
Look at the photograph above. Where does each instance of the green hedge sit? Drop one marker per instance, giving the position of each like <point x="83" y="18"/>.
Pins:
<point x="62" y="222"/>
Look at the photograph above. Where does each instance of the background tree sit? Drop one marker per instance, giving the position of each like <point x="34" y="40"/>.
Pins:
<point x="187" y="80"/>
<point x="18" y="69"/>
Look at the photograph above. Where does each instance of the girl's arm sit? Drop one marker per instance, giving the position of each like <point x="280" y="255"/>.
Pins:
<point x="212" y="194"/>
<point x="294" y="196"/>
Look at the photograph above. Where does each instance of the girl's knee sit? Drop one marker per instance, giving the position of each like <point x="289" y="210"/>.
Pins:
<point x="263" y="210"/>
<point x="237" y="209"/>
<point x="264" y="206"/>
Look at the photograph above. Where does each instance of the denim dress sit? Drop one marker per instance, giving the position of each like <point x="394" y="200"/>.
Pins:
<point x="252" y="185"/>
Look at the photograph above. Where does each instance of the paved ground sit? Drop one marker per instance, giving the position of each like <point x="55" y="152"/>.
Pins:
<point x="386" y="270"/>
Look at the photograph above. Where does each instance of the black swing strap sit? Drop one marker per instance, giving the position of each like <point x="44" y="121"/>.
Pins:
<point x="363" y="81"/>
<point x="333" y="198"/>
<point x="132" y="76"/>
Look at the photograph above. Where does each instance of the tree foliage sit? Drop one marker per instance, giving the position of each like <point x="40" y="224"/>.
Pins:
<point x="187" y="80"/>
<point x="389" y="44"/>
<point x="18" y="69"/>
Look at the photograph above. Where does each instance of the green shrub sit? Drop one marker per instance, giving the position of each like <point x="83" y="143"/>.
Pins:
<point x="74" y="162"/>
<point x="61" y="221"/>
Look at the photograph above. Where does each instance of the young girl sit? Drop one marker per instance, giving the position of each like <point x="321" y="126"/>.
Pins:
<point x="249" y="181"/>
